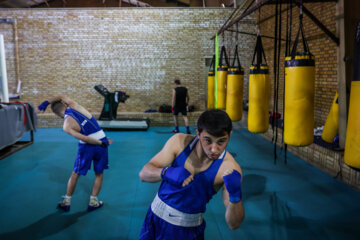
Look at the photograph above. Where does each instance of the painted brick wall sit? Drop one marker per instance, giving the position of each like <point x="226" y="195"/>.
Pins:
<point x="139" y="51"/>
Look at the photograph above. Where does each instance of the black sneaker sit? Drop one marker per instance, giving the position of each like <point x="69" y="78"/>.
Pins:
<point x="94" y="204"/>
<point x="64" y="204"/>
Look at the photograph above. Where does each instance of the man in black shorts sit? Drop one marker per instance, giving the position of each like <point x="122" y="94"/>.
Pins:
<point x="180" y="100"/>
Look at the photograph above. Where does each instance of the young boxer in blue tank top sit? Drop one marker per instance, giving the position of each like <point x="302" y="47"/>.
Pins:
<point x="191" y="170"/>
<point x="92" y="146"/>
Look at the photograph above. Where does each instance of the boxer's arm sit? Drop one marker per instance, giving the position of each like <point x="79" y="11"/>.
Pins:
<point x="72" y="127"/>
<point x="232" y="198"/>
<point x="151" y="172"/>
<point x="71" y="103"/>
<point x="173" y="99"/>
<point x="235" y="213"/>
<point x="42" y="107"/>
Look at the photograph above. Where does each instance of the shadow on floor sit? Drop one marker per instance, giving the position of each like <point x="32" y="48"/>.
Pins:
<point x="47" y="226"/>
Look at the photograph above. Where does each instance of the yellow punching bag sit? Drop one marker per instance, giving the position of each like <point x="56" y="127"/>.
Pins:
<point x="259" y="94"/>
<point x="331" y="127"/>
<point x="221" y="86"/>
<point x="299" y="94"/>
<point x="222" y="70"/>
<point x="234" y="93"/>
<point x="259" y="91"/>
<point x="211" y="89"/>
<point x="234" y="89"/>
<point x="352" y="142"/>
<point x="299" y="100"/>
<point x="211" y="85"/>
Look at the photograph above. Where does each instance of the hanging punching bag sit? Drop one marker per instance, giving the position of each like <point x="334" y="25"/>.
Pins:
<point x="221" y="86"/>
<point x="211" y="86"/>
<point x="299" y="95"/>
<point x="221" y="80"/>
<point x="259" y="92"/>
<point x="331" y="127"/>
<point x="234" y="89"/>
<point x="352" y="142"/>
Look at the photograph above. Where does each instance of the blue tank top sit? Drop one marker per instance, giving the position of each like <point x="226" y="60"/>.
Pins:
<point x="193" y="197"/>
<point x="88" y="126"/>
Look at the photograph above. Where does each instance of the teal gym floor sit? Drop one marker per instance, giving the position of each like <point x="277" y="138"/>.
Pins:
<point x="293" y="201"/>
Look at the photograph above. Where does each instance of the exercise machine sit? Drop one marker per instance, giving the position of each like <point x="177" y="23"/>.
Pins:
<point x="108" y="117"/>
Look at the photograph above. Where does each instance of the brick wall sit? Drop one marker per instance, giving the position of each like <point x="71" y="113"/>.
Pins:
<point x="139" y="51"/>
<point x="326" y="82"/>
<point x="327" y="160"/>
<point x="320" y="45"/>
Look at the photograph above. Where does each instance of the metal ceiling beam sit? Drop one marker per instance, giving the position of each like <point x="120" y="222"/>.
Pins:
<point x="297" y="2"/>
<point x="253" y="34"/>
<point x="12" y="4"/>
<point x="243" y="15"/>
<point x="136" y="3"/>
<point x="224" y="26"/>
<point x="226" y="22"/>
<point x="319" y="24"/>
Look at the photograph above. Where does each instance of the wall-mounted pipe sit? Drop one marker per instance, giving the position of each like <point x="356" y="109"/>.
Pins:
<point x="17" y="62"/>
<point x="136" y="3"/>
<point x="3" y="75"/>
